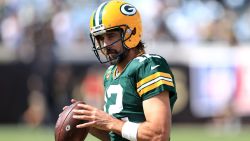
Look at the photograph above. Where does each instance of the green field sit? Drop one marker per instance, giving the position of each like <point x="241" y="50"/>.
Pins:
<point x="179" y="133"/>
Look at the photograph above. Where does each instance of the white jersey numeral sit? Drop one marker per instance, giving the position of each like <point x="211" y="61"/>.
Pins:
<point x="114" y="90"/>
<point x="142" y="58"/>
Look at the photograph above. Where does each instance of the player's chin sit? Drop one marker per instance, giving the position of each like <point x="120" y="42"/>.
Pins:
<point x="113" y="59"/>
<point x="113" y="62"/>
<point x="112" y="55"/>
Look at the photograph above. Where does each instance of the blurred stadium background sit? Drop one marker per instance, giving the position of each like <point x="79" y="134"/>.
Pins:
<point x="46" y="59"/>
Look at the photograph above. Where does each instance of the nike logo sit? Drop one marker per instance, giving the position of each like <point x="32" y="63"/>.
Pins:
<point x="154" y="67"/>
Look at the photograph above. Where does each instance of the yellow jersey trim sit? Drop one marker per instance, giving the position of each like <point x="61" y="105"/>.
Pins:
<point x="152" y="77"/>
<point x="155" y="85"/>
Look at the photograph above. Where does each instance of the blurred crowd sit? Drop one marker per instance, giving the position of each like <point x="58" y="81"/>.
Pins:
<point x="65" y="22"/>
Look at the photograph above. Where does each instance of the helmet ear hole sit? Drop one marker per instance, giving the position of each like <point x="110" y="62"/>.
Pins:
<point x="134" y="31"/>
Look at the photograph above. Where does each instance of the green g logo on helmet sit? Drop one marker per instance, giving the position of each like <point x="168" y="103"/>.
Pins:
<point x="128" y="9"/>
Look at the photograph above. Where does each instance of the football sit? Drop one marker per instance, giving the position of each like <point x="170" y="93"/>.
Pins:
<point x="65" y="128"/>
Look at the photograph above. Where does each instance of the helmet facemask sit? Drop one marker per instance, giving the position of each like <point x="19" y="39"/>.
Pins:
<point x="98" y="44"/>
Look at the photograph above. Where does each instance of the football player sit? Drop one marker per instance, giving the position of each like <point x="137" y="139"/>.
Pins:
<point x="139" y="88"/>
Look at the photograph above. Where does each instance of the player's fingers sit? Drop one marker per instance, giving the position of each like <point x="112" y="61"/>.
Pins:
<point x="87" y="124"/>
<point x="85" y="106"/>
<point x="73" y="101"/>
<point x="65" y="107"/>
<point x="81" y="112"/>
<point x="83" y="117"/>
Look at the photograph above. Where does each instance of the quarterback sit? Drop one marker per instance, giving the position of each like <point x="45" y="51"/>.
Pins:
<point x="139" y="88"/>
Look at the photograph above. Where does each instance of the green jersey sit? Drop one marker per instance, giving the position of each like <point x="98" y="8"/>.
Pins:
<point x="143" y="77"/>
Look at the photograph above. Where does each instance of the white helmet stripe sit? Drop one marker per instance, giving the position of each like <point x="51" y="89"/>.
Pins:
<point x="98" y="12"/>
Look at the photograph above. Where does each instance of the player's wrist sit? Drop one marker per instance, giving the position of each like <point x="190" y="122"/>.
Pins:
<point x="129" y="130"/>
<point x="111" y="126"/>
<point x="115" y="125"/>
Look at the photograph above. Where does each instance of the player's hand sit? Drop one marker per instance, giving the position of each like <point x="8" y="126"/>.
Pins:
<point x="97" y="118"/>
<point x="65" y="107"/>
<point x="72" y="101"/>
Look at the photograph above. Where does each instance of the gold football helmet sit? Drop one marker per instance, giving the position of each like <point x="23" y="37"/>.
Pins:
<point x="113" y="15"/>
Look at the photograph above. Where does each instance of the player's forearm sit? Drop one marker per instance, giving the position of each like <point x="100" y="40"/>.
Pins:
<point x="149" y="131"/>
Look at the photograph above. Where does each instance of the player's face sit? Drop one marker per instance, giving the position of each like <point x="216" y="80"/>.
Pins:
<point x="111" y="40"/>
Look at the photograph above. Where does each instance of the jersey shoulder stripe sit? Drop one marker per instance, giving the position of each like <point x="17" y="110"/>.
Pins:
<point x="153" y="81"/>
<point x="153" y="76"/>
